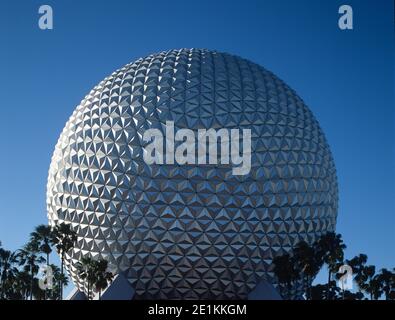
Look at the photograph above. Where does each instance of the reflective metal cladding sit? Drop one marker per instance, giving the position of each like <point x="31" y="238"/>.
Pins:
<point x="191" y="231"/>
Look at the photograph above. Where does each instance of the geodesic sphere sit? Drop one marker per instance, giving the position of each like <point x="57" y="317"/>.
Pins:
<point x="191" y="231"/>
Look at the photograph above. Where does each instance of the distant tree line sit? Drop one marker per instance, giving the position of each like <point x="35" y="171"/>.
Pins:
<point x="305" y="261"/>
<point x="19" y="270"/>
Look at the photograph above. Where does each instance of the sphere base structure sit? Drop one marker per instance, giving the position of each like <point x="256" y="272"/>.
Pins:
<point x="120" y="289"/>
<point x="264" y="291"/>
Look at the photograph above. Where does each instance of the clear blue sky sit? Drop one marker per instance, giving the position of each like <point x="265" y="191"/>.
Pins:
<point x="345" y="77"/>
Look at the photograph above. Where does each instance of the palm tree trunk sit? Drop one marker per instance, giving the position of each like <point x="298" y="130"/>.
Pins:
<point x="1" y="287"/>
<point x="328" y="284"/>
<point x="31" y="282"/>
<point x="3" y="277"/>
<point x="60" y="281"/>
<point x="46" y="290"/>
<point x="309" y="293"/>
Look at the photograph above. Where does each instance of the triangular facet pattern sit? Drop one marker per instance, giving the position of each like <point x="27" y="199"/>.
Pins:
<point x="191" y="231"/>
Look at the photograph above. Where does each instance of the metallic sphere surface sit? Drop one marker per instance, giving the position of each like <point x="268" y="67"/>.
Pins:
<point x="191" y="231"/>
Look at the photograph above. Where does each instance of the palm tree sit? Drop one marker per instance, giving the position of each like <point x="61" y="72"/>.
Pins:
<point x="96" y="274"/>
<point x="373" y="288"/>
<point x="29" y="257"/>
<point x="103" y="276"/>
<point x="59" y="279"/>
<point x="286" y="272"/>
<point x="331" y="248"/>
<point x="87" y="271"/>
<point x="368" y="281"/>
<point x="387" y="283"/>
<point x="308" y="262"/>
<point x="64" y="239"/>
<point x="358" y="264"/>
<point x="43" y="236"/>
<point x="21" y="286"/>
<point x="7" y="261"/>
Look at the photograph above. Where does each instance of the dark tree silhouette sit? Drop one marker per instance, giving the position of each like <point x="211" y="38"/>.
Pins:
<point x="18" y="270"/>
<point x="103" y="276"/>
<point x="29" y="257"/>
<point x="308" y="262"/>
<point x="64" y="239"/>
<point x="386" y="279"/>
<point x="8" y="260"/>
<point x="286" y="273"/>
<point x="331" y="248"/>
<point x="43" y="235"/>
<point x="86" y="271"/>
